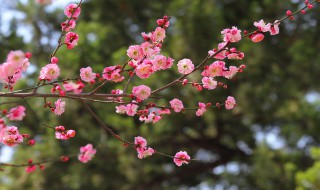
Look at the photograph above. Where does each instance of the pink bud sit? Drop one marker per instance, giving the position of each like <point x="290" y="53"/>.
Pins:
<point x="54" y="60"/>
<point x="288" y="13"/>
<point x="257" y="37"/>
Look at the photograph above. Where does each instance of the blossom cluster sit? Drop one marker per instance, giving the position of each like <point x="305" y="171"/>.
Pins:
<point x="86" y="153"/>
<point x="141" y="147"/>
<point x="11" y="71"/>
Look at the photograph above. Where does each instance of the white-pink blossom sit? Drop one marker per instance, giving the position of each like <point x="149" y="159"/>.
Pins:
<point x="49" y="72"/>
<point x="176" y="105"/>
<point x="87" y="75"/>
<point x="16" y="113"/>
<point x="185" y="66"/>
<point x="86" y="153"/>
<point x="59" y="107"/>
<point x="181" y="157"/>
<point x="141" y="92"/>
<point x="230" y="103"/>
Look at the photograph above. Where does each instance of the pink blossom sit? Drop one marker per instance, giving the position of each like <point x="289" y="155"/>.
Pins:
<point x="87" y="75"/>
<point x="185" y="66"/>
<point x="158" y="35"/>
<point x="222" y="54"/>
<point x="59" y="107"/>
<point x="257" y="37"/>
<point x="86" y="153"/>
<point x="16" y="58"/>
<point x="274" y="29"/>
<point x="11" y="136"/>
<point x="144" y="70"/>
<point x="209" y="83"/>
<point x="135" y="52"/>
<point x="163" y="111"/>
<point x="160" y="62"/>
<point x="31" y="168"/>
<point x="163" y="22"/>
<point x="68" y="25"/>
<point x="65" y="135"/>
<point x="234" y="54"/>
<point x="215" y="69"/>
<point x="181" y="157"/>
<point x="232" y="71"/>
<point x="16" y="113"/>
<point x="148" y="49"/>
<point x="141" y="147"/>
<point x="176" y="105"/>
<point x="140" y="142"/>
<point x="112" y="73"/>
<point x="131" y="109"/>
<point x="230" y="103"/>
<point x="152" y="117"/>
<point x="145" y="152"/>
<point x="202" y="108"/>
<point x="262" y="26"/>
<point x="141" y="92"/>
<point x="49" y="72"/>
<point x="72" y="10"/>
<point x="231" y="35"/>
<point x="121" y="109"/>
<point x="72" y="86"/>
<point x="71" y="40"/>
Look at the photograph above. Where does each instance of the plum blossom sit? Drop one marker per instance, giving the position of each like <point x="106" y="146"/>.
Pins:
<point x="257" y="37"/>
<point x="49" y="72"/>
<point x="209" y="83"/>
<point x="72" y="86"/>
<point x="11" y="70"/>
<point x="65" y="135"/>
<point x="161" y="62"/>
<point x="59" y="107"/>
<point x="185" y="66"/>
<point x="215" y="69"/>
<point x="230" y="103"/>
<point x="231" y="72"/>
<point x="181" y="157"/>
<point x="72" y="10"/>
<point x="71" y="40"/>
<point x="152" y="117"/>
<point x="86" y="153"/>
<point x="16" y="113"/>
<point x="112" y="73"/>
<point x="121" y="109"/>
<point x="231" y="35"/>
<point x="274" y="29"/>
<point x="135" y="52"/>
<point x="68" y="25"/>
<point x="158" y="35"/>
<point x="202" y="108"/>
<point x="31" y="168"/>
<point x="144" y="70"/>
<point x="141" y="147"/>
<point x="176" y="105"/>
<point x="131" y="109"/>
<point x="262" y="26"/>
<point x="11" y="136"/>
<point x="222" y="54"/>
<point x="87" y="75"/>
<point x="141" y="92"/>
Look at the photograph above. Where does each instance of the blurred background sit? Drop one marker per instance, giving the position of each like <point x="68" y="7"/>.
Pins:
<point x="269" y="141"/>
